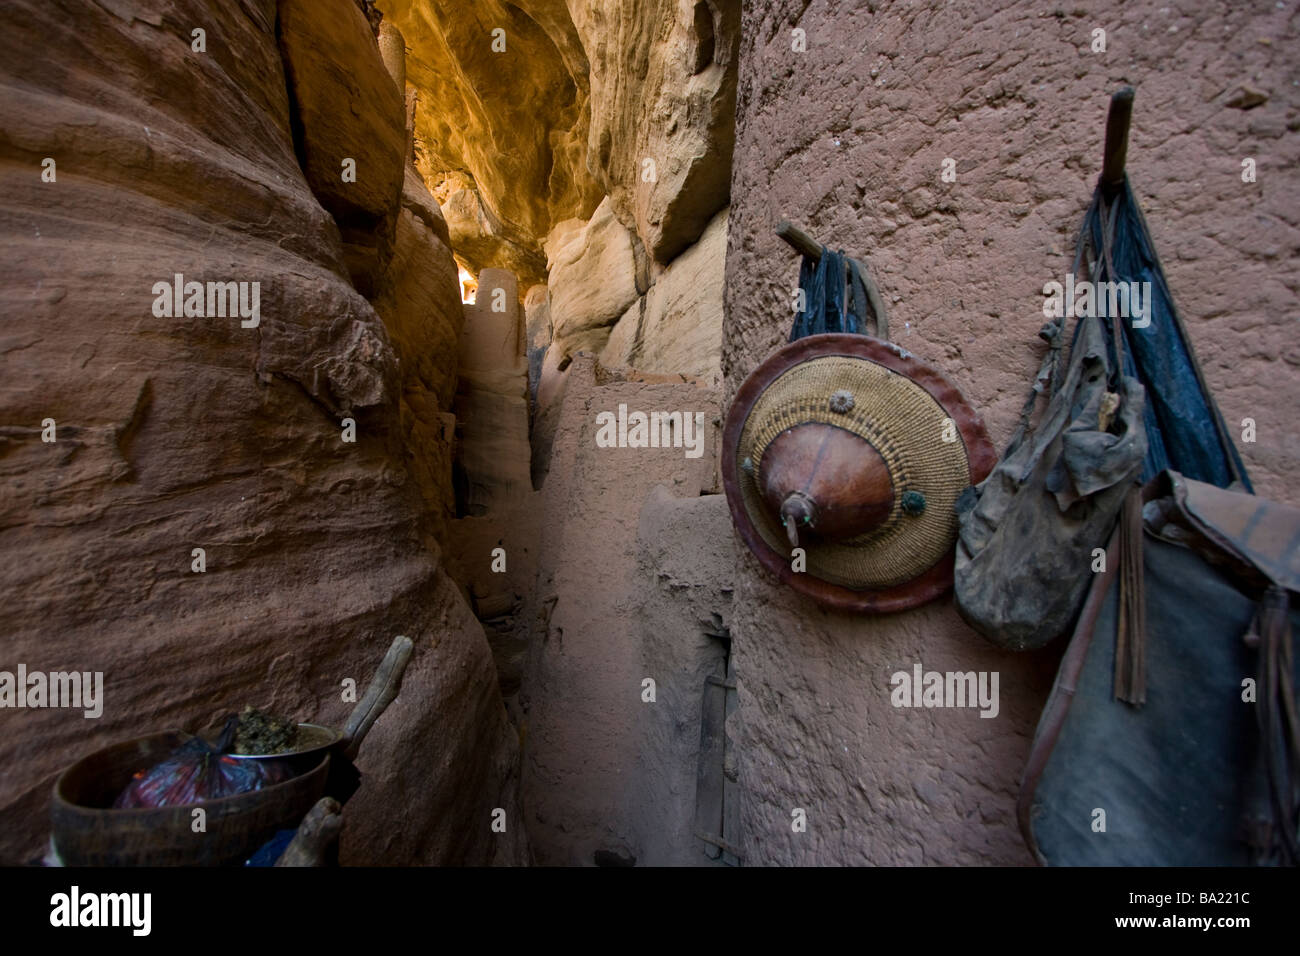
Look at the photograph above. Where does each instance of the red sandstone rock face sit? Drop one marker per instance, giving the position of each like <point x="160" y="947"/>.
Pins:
<point x="592" y="279"/>
<point x="509" y="109"/>
<point x="345" y="107"/>
<point x="530" y="126"/>
<point x="420" y="305"/>
<point x="193" y="432"/>
<point x="677" y="325"/>
<point x="663" y="87"/>
<point x="848" y="139"/>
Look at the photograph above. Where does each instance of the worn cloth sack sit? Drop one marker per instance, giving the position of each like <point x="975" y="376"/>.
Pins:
<point x="1206" y="772"/>
<point x="1027" y="532"/>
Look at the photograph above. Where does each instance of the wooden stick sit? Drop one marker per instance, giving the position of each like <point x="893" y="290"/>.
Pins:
<point x="318" y="832"/>
<point x="806" y="245"/>
<point x="1118" y="121"/>
<point x="381" y="692"/>
<point x="799" y="240"/>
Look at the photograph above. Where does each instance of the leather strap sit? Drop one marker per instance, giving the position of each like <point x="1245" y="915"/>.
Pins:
<point x="1279" y="729"/>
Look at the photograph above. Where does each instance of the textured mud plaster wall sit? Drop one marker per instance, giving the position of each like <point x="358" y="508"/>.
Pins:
<point x="848" y="139"/>
<point x="604" y="771"/>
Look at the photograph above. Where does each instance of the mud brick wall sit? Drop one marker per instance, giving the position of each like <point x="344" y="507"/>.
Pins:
<point x="848" y="139"/>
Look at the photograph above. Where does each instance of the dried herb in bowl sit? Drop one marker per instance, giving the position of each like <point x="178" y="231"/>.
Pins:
<point x="262" y="733"/>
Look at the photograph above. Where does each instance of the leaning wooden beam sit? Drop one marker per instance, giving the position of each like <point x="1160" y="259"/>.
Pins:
<point x="710" y="782"/>
<point x="721" y="843"/>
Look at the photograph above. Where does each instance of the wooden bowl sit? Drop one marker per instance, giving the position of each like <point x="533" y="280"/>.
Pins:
<point x="88" y="831"/>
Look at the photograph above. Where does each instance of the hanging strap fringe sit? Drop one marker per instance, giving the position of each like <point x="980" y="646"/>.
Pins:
<point x="1130" y="683"/>
<point x="1279" y="726"/>
<point x="1131" y="638"/>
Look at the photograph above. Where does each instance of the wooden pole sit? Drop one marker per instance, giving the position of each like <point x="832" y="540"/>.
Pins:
<point x="799" y="240"/>
<point x="382" y="691"/>
<point x="1118" y="121"/>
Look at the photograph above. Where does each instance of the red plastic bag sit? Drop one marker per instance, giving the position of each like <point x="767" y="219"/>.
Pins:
<point x="198" y="772"/>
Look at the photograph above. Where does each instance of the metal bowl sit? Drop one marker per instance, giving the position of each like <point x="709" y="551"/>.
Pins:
<point x="312" y="738"/>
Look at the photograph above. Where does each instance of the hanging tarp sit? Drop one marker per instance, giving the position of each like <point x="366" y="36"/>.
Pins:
<point x="1185" y="430"/>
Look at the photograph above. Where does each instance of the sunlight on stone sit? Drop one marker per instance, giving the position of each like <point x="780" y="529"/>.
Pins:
<point x="468" y="285"/>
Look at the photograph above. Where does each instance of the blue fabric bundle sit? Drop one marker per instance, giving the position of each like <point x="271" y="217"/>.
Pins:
<point x="835" y="297"/>
<point x="1185" y="431"/>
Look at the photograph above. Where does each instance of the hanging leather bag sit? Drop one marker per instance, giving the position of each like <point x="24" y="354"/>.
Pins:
<point x="1031" y="533"/>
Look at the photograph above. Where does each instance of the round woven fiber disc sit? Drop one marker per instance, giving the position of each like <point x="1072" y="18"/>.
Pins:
<point x="932" y="443"/>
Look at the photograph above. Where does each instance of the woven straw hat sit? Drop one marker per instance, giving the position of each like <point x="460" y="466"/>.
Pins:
<point x="847" y="446"/>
